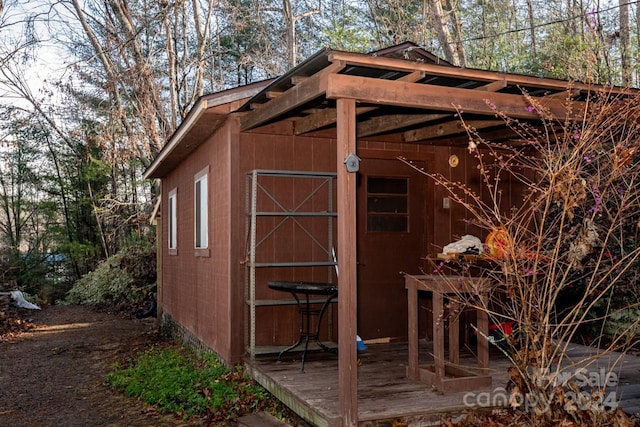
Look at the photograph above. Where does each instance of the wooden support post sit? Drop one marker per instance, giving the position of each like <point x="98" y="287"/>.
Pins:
<point x="483" y="328"/>
<point x="412" y="297"/>
<point x="454" y="331"/>
<point x="438" y="334"/>
<point x="347" y="255"/>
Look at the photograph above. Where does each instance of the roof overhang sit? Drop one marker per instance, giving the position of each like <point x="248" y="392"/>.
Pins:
<point x="204" y="118"/>
<point x="410" y="100"/>
<point x="402" y="94"/>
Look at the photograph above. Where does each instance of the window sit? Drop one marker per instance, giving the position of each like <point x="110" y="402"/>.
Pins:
<point x="387" y="205"/>
<point x="201" y="218"/>
<point x="173" y="222"/>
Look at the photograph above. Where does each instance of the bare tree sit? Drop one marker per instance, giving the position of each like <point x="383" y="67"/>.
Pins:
<point x="290" y="20"/>
<point x="564" y="267"/>
<point x="625" y="42"/>
<point x="443" y="20"/>
<point x="532" y="26"/>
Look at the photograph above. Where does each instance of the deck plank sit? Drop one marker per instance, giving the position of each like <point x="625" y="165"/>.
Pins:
<point x="385" y="394"/>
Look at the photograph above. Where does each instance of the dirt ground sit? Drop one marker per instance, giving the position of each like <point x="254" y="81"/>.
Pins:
<point x="52" y="374"/>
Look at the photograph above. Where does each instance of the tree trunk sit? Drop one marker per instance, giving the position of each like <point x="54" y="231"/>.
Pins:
<point x="532" y="27"/>
<point x="290" y="33"/>
<point x="624" y="42"/>
<point x="456" y="25"/>
<point x="171" y="68"/>
<point x="442" y="30"/>
<point x="203" y="31"/>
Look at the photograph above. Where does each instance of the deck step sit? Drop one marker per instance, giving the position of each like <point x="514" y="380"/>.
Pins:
<point x="261" y="419"/>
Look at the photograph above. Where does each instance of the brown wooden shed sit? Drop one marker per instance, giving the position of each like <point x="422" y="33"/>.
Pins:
<point x="254" y="188"/>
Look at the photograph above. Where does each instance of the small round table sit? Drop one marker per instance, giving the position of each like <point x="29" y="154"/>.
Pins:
<point x="306" y="310"/>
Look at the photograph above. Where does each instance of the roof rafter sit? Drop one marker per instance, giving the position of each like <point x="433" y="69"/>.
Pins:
<point x="328" y="116"/>
<point x="307" y="90"/>
<point x="457" y="72"/>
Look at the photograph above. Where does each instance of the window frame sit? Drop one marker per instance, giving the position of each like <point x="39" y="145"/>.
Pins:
<point x="389" y="194"/>
<point x="201" y="212"/>
<point x="172" y="223"/>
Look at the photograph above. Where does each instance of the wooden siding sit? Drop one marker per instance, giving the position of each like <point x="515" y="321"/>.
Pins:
<point x="196" y="291"/>
<point x="278" y="325"/>
<point x="206" y="293"/>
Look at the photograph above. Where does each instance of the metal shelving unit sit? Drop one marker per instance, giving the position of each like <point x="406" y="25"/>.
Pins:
<point x="254" y="189"/>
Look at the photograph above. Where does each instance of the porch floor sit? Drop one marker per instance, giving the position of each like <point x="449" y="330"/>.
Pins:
<point x="385" y="394"/>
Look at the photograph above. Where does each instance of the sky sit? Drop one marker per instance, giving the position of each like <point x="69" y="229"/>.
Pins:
<point x="29" y="71"/>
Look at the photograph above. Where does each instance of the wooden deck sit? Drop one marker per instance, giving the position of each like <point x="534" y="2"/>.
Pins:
<point x="386" y="396"/>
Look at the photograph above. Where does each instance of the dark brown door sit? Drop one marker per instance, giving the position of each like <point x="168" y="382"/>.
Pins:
<point x="391" y="240"/>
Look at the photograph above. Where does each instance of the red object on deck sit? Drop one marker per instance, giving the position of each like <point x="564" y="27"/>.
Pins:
<point x="505" y="327"/>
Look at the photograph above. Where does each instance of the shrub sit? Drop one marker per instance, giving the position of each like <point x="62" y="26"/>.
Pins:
<point x="120" y="280"/>
<point x="107" y="284"/>
<point x="189" y="384"/>
<point x="568" y="247"/>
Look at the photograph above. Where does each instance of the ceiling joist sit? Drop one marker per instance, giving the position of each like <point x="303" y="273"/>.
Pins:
<point x="450" y="128"/>
<point x="388" y="123"/>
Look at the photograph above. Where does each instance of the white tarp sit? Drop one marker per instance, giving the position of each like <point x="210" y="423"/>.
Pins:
<point x="467" y="242"/>
<point x="19" y="300"/>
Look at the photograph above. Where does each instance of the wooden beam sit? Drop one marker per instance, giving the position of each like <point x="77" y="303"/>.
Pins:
<point x="462" y="73"/>
<point x="296" y="80"/>
<point x="412" y="77"/>
<point x="347" y="265"/>
<point x="449" y="128"/>
<point x="322" y="118"/>
<point x="273" y="94"/>
<point x="309" y="89"/>
<point x="416" y="95"/>
<point x="493" y="86"/>
<point x="391" y="122"/>
<point x="328" y="116"/>
<point x="388" y="123"/>
<point x="315" y="121"/>
<point x="565" y="94"/>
